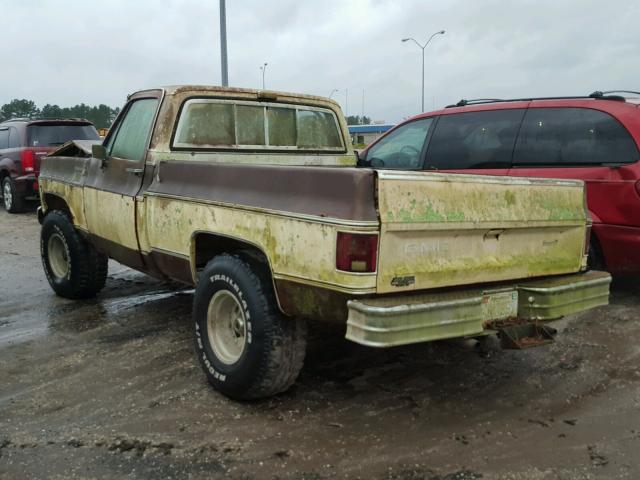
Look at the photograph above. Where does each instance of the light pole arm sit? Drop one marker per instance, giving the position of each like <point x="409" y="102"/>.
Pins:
<point x="431" y="38"/>
<point x="416" y="42"/>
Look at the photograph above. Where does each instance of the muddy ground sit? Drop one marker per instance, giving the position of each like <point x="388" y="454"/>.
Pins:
<point x="110" y="388"/>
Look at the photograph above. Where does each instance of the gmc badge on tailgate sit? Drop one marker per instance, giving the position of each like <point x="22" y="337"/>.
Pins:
<point x="403" y="281"/>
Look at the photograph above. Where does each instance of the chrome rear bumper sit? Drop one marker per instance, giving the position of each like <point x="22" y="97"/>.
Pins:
<point x="385" y="321"/>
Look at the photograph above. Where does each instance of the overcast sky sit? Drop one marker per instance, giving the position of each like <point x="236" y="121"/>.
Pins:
<point x="72" y="51"/>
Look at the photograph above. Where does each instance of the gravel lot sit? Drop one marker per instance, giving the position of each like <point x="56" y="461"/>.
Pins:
<point x="110" y="388"/>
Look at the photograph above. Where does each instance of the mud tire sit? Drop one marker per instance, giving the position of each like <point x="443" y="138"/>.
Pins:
<point x="274" y="346"/>
<point x="87" y="268"/>
<point x="16" y="203"/>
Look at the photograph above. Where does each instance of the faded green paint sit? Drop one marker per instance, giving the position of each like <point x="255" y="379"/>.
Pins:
<point x="445" y="230"/>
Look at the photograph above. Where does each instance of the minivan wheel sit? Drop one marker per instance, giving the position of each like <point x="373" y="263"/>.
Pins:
<point x="247" y="348"/>
<point x="73" y="267"/>
<point x="13" y="202"/>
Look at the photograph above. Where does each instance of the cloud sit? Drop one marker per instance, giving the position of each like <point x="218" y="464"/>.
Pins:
<point x="97" y="52"/>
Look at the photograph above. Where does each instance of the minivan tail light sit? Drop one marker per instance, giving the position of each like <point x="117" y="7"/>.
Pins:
<point x="357" y="252"/>
<point x="27" y="158"/>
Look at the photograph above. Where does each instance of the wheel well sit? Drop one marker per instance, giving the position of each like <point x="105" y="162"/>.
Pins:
<point x="54" y="202"/>
<point x="600" y="261"/>
<point x="205" y="246"/>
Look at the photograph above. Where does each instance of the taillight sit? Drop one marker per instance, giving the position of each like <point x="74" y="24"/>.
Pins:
<point x="27" y="158"/>
<point x="357" y="252"/>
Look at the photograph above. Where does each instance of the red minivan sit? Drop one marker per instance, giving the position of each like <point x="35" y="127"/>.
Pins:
<point x="594" y="138"/>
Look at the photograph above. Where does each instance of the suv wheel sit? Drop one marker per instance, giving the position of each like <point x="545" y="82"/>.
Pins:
<point x="246" y="346"/>
<point x="73" y="267"/>
<point x="13" y="203"/>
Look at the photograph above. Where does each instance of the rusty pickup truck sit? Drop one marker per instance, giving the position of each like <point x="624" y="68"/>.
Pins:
<point x="254" y="197"/>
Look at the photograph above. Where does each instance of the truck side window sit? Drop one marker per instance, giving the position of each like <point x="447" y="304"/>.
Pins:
<point x="132" y="135"/>
<point x="572" y="137"/>
<point x="402" y="148"/>
<point x="474" y="140"/>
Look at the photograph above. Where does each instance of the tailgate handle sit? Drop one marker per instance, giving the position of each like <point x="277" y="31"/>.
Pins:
<point x="493" y="234"/>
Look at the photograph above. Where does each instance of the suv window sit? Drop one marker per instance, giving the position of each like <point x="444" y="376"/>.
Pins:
<point x="474" y="140"/>
<point x="4" y="138"/>
<point x="44" y="135"/>
<point x="206" y="123"/>
<point x="402" y="148"/>
<point x="572" y="137"/>
<point x="14" y="138"/>
<point x="132" y="135"/>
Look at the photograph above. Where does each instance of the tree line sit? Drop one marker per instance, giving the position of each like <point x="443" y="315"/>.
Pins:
<point x="358" y="120"/>
<point x="102" y="116"/>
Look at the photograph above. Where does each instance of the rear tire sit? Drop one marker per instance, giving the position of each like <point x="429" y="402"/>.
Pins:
<point x="73" y="267"/>
<point x="246" y="346"/>
<point x="13" y="202"/>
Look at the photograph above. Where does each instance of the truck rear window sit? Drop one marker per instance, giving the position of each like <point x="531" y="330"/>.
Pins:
<point x="209" y="124"/>
<point x="49" y="135"/>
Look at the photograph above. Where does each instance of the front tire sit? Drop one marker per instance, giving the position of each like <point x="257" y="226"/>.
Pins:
<point x="246" y="346"/>
<point x="73" y="267"/>
<point x="13" y="202"/>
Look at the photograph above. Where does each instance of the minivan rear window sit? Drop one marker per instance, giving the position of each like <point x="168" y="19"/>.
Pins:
<point x="474" y="140"/>
<point x="52" y="135"/>
<point x="558" y="137"/>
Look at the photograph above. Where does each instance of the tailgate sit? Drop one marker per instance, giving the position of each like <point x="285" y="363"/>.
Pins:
<point x="441" y="230"/>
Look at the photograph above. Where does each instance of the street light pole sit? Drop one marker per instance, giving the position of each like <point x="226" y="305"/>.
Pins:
<point x="332" y="92"/>
<point x="223" y="44"/>
<point x="423" y="47"/>
<point x="264" y="69"/>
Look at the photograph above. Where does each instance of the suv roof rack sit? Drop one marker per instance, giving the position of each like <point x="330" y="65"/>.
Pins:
<point x="35" y="119"/>
<point x="595" y="95"/>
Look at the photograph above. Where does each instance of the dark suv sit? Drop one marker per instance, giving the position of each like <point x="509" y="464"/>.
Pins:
<point x="23" y="143"/>
<point x="594" y="138"/>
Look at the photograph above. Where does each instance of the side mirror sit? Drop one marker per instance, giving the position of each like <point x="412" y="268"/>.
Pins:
<point x="100" y="152"/>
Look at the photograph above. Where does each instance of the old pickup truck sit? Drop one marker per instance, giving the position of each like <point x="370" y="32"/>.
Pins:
<point x="254" y="198"/>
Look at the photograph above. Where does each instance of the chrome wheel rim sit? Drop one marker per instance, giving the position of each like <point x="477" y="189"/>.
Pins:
<point x="226" y="327"/>
<point x="6" y="194"/>
<point x="58" y="256"/>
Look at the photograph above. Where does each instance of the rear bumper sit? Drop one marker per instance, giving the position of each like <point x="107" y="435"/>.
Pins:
<point x="26" y="185"/>
<point x="387" y="321"/>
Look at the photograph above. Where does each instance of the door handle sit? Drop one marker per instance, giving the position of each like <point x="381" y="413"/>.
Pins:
<point x="134" y="171"/>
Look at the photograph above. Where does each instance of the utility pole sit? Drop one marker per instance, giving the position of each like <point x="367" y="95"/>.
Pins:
<point x="264" y="69"/>
<point x="362" y="118"/>
<point x="223" y="44"/>
<point x="346" y="101"/>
